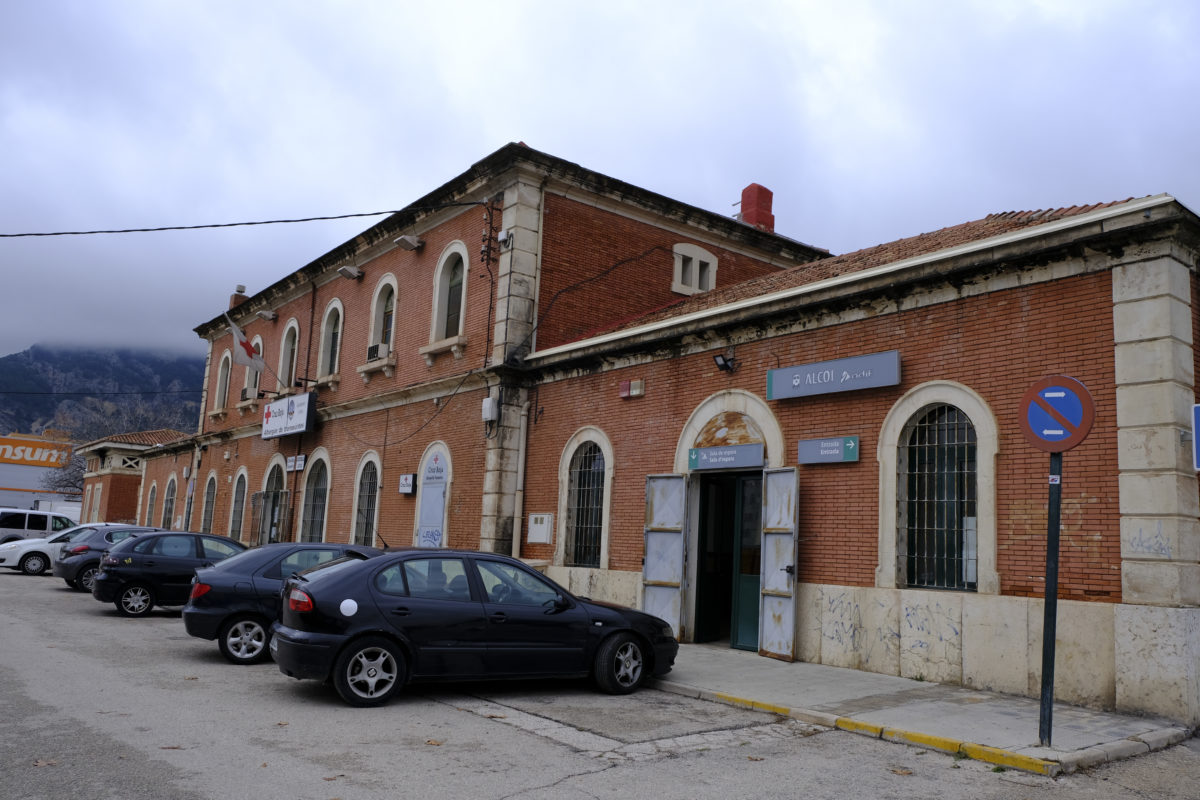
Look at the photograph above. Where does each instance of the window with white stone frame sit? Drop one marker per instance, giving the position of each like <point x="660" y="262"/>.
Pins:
<point x="695" y="269"/>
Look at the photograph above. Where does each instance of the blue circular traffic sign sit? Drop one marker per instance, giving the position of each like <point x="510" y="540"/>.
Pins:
<point x="1057" y="413"/>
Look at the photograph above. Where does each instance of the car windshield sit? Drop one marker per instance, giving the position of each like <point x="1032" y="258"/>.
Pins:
<point x="234" y="562"/>
<point x="332" y="567"/>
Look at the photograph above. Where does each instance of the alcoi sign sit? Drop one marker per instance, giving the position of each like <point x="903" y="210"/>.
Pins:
<point x="839" y="375"/>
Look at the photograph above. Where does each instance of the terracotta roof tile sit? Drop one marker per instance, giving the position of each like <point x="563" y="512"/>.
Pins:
<point x="813" y="271"/>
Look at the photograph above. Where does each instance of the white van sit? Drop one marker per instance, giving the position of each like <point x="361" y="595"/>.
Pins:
<point x="21" y="523"/>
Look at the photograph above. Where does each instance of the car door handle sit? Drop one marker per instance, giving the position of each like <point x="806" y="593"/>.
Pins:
<point x="499" y="616"/>
<point x="150" y="563"/>
<point x="402" y="611"/>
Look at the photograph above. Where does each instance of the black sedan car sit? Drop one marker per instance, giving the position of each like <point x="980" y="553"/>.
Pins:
<point x="418" y="614"/>
<point x="156" y="569"/>
<point x="236" y="600"/>
<point x="79" y="559"/>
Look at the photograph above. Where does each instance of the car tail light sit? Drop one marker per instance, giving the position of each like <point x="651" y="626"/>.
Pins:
<point x="110" y="561"/>
<point x="79" y="548"/>
<point x="199" y="590"/>
<point x="299" y="600"/>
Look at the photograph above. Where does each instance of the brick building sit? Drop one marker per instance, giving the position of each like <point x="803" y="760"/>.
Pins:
<point x="112" y="475"/>
<point x="802" y="455"/>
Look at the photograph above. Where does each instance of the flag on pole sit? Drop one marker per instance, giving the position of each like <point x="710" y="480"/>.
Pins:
<point x="244" y="352"/>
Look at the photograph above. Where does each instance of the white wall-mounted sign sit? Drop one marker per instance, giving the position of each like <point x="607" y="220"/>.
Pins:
<point x="408" y="483"/>
<point x="289" y="415"/>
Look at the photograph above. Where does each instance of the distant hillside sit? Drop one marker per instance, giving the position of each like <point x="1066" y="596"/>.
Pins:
<point x="95" y="393"/>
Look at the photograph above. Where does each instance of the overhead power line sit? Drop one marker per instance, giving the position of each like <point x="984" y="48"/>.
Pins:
<point x="101" y="394"/>
<point x="196" y="227"/>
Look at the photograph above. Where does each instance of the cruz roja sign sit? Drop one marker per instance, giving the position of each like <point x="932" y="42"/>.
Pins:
<point x="1056" y="414"/>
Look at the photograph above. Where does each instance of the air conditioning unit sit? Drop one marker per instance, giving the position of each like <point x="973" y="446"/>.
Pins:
<point x="377" y="351"/>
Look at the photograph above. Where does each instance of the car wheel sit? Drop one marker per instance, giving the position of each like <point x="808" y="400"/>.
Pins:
<point x="244" y="640"/>
<point x="619" y="664"/>
<point x="34" y="564"/>
<point x="369" y="671"/>
<point x="134" y="600"/>
<point x="85" y="578"/>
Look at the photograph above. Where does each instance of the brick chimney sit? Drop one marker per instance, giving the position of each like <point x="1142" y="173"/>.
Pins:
<point x="239" y="293"/>
<point x="756" y="207"/>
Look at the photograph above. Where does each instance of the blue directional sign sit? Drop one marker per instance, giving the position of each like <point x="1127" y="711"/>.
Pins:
<point x="1057" y="413"/>
<point x="1195" y="431"/>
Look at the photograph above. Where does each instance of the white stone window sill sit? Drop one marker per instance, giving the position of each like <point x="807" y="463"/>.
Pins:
<point x="455" y="344"/>
<point x="385" y="365"/>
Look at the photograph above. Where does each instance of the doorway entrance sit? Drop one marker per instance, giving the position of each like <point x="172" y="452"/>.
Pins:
<point x="730" y="559"/>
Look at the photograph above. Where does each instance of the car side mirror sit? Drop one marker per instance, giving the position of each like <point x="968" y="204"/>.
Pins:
<point x="556" y="604"/>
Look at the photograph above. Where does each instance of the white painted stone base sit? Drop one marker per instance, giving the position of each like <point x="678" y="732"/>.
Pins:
<point x="1158" y="661"/>
<point x="609" y="585"/>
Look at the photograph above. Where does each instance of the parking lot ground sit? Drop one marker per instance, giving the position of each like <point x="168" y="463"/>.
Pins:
<point x="95" y="705"/>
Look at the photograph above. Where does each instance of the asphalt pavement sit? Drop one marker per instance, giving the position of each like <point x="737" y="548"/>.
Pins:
<point x="988" y="726"/>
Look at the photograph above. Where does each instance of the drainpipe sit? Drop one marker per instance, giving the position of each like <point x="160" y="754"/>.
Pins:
<point x="519" y="504"/>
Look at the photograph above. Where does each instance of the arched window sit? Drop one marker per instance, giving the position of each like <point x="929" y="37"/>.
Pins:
<point x="585" y="507"/>
<point x="937" y="512"/>
<point x="287" y="358"/>
<point x="366" y="504"/>
<point x="316" y="488"/>
<point x="168" y="504"/>
<point x="239" y="507"/>
<point x="452" y="325"/>
<point x="449" y="294"/>
<point x="937" y="502"/>
<point x="385" y="314"/>
<point x="270" y="508"/>
<point x="210" y="500"/>
<point x="149" y="518"/>
<point x="331" y="331"/>
<point x="221" y="398"/>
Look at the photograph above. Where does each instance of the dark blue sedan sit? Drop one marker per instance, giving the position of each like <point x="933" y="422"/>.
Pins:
<point x="236" y="601"/>
<point x="418" y="614"/>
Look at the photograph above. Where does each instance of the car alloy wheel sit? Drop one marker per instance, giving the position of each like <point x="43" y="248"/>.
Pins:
<point x="85" y="578"/>
<point x="369" y="671"/>
<point x="244" y="640"/>
<point x="34" y="564"/>
<point x="619" y="664"/>
<point x="134" y="601"/>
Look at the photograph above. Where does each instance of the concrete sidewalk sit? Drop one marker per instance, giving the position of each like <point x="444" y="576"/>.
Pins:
<point x="998" y="728"/>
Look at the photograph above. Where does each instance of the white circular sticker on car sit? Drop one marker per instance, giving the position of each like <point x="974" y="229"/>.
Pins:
<point x="348" y="608"/>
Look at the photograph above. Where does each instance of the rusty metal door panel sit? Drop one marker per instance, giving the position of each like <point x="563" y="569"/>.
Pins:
<point x="662" y="570"/>
<point x="777" y="615"/>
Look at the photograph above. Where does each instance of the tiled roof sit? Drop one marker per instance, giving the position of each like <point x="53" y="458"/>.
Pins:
<point x="813" y="271"/>
<point x="145" y="438"/>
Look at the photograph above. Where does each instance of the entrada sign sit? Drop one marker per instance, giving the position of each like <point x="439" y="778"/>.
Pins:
<point x="834" y="450"/>
<point x="839" y="375"/>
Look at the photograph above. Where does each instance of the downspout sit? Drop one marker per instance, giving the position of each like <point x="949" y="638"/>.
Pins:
<point x="519" y="503"/>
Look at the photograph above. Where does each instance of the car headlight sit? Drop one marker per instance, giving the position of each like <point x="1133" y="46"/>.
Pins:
<point x="666" y="631"/>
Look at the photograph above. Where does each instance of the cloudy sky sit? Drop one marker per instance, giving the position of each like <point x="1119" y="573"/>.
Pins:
<point x="869" y="119"/>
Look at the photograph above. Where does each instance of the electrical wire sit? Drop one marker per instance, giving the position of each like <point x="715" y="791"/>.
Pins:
<point x="101" y="394"/>
<point x="197" y="227"/>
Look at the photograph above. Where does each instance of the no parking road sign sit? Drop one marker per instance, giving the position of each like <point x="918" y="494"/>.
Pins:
<point x="1057" y="413"/>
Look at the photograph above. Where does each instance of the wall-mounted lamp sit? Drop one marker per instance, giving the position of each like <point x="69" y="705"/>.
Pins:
<point x="269" y="316"/>
<point x="352" y="273"/>
<point x="410" y="242"/>
<point x="726" y="363"/>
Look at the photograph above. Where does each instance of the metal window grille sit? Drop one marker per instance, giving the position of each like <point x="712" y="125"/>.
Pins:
<point x="315" y="490"/>
<point x="210" y="500"/>
<point x="168" y="505"/>
<point x="268" y="515"/>
<point x="368" y="491"/>
<point x="151" y="504"/>
<point x="239" y="507"/>
<point x="585" y="506"/>
<point x="938" y="475"/>
<point x="454" y="287"/>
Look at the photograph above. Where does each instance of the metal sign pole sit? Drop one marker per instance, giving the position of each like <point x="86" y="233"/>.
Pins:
<point x="1050" y="622"/>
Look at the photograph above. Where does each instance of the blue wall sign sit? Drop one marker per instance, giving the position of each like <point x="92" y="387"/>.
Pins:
<point x="732" y="457"/>
<point x="839" y="375"/>
<point x="834" y="450"/>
